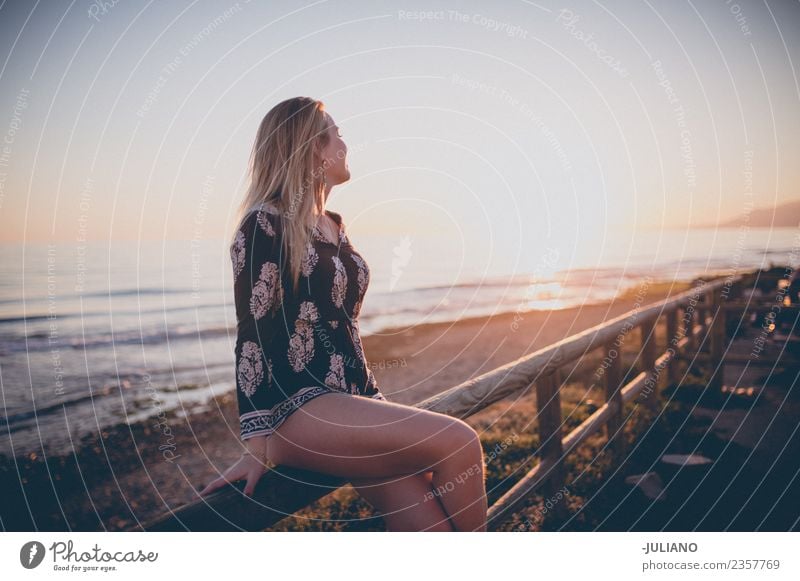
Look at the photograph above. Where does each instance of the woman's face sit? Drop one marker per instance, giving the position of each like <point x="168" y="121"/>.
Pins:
<point x="334" y="156"/>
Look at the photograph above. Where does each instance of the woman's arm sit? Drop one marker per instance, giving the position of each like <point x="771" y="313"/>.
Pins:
<point x="259" y="293"/>
<point x="257" y="447"/>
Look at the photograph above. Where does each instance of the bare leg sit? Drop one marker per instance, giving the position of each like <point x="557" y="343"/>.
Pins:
<point x="407" y="503"/>
<point x="359" y="437"/>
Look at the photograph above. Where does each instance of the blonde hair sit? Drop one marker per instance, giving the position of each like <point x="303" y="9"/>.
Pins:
<point x="284" y="166"/>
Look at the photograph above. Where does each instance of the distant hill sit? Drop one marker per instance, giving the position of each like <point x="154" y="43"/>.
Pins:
<point x="781" y="216"/>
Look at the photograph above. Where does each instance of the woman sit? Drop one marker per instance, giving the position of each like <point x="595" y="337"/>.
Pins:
<point x="306" y="395"/>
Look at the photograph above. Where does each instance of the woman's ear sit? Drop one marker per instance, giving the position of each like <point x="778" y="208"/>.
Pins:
<point x="317" y="151"/>
<point x="319" y="160"/>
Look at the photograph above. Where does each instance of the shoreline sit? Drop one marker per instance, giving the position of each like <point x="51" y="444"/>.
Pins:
<point x="134" y="472"/>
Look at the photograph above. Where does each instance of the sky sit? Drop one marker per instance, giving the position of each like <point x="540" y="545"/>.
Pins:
<point x="517" y="121"/>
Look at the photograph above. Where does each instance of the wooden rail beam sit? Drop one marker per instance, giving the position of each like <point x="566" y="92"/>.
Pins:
<point x="282" y="490"/>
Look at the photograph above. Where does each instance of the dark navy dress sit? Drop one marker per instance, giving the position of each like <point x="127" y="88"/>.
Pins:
<point x="291" y="348"/>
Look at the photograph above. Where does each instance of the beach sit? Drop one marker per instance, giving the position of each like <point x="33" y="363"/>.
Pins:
<point x="130" y="473"/>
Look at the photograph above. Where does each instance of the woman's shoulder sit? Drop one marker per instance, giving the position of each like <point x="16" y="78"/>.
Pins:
<point x="264" y="219"/>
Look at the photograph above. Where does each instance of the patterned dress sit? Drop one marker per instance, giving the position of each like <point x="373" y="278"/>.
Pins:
<point x="291" y="348"/>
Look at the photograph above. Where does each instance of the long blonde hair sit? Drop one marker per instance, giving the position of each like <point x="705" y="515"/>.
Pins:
<point x="284" y="166"/>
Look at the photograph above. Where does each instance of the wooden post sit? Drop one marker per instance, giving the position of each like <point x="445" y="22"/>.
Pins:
<point x="689" y="316"/>
<point x="700" y="320"/>
<point x="616" y="439"/>
<point x="688" y="320"/>
<point x="558" y="379"/>
<point x="671" y="343"/>
<point x="548" y="404"/>
<point x="648" y="338"/>
<point x="708" y="311"/>
<point x="717" y="332"/>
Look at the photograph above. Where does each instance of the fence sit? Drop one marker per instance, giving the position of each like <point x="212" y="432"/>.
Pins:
<point x="282" y="491"/>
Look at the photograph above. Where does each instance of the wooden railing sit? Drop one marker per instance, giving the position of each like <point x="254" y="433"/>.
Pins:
<point x="282" y="491"/>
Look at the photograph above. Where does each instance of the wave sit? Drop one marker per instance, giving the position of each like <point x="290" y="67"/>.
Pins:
<point x="40" y="343"/>
<point x="115" y="312"/>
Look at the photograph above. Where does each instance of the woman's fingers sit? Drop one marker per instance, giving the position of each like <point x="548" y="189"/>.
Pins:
<point x="213" y="485"/>
<point x="253" y="477"/>
<point x="252" y="480"/>
<point x="234" y="474"/>
<point x="226" y="478"/>
<point x="209" y="488"/>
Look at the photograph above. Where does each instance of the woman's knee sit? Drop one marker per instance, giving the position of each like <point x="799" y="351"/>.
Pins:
<point x="406" y="503"/>
<point x="458" y="442"/>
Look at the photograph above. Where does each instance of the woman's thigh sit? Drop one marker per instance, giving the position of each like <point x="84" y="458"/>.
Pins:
<point x="358" y="437"/>
<point x="406" y="502"/>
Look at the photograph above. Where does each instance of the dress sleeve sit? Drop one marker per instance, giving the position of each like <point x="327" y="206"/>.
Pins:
<point x="259" y="295"/>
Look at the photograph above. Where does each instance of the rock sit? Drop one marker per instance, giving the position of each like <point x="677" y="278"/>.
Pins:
<point x="650" y="484"/>
<point x="683" y="472"/>
<point x="685" y="459"/>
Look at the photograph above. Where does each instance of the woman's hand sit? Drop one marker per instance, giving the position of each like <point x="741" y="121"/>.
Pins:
<point x="251" y="466"/>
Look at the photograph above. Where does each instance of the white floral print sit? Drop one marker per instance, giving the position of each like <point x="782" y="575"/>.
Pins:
<point x="362" y="272"/>
<point x="301" y="343"/>
<point x="308" y="312"/>
<point x="335" y="377"/>
<point x="251" y="370"/>
<point x="238" y="254"/>
<point x="264" y="222"/>
<point x="357" y="339"/>
<point x="318" y="235"/>
<point x="339" y="282"/>
<point x="309" y="260"/>
<point x="269" y="372"/>
<point x="267" y="292"/>
<point x="363" y="277"/>
<point x="333" y="324"/>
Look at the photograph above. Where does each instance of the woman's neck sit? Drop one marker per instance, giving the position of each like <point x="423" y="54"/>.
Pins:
<point x="324" y="202"/>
